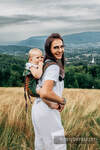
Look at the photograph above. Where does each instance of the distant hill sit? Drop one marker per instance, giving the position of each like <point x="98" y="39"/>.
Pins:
<point x="84" y="39"/>
<point x="36" y="41"/>
<point x="77" y="40"/>
<point x="14" y="49"/>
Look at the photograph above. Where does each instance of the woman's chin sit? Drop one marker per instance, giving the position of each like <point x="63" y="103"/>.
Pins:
<point x="59" y="57"/>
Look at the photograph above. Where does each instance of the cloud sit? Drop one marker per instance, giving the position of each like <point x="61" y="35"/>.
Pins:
<point x="30" y="19"/>
<point x="40" y="17"/>
<point x="5" y="21"/>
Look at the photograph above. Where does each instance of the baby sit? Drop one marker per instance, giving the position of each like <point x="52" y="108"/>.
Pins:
<point x="35" y="62"/>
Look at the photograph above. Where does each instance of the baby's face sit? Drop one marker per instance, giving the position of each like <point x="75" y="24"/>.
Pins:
<point x="37" y="57"/>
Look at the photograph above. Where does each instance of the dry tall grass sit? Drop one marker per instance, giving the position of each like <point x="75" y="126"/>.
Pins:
<point x="80" y="117"/>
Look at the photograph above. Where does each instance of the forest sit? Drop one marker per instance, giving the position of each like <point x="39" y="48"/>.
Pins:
<point x="76" y="76"/>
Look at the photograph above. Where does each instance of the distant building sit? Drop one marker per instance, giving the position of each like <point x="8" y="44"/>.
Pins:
<point x="92" y="62"/>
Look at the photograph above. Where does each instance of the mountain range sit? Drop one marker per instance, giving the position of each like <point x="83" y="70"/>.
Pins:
<point x="77" y="40"/>
<point x="83" y="39"/>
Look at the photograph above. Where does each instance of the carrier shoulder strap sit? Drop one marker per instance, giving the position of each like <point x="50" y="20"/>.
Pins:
<point x="47" y="63"/>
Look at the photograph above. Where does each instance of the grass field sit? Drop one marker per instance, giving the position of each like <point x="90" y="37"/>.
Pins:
<point x="80" y="118"/>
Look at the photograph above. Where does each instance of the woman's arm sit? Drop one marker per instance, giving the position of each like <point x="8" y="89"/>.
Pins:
<point x="46" y="92"/>
<point x="57" y="106"/>
<point x="49" y="103"/>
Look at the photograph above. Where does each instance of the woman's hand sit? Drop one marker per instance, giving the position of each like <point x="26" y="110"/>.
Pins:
<point x="61" y="107"/>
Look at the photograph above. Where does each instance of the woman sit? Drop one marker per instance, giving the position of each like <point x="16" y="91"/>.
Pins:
<point x="45" y="114"/>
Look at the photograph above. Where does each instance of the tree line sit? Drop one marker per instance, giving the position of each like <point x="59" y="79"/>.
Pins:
<point x="81" y="76"/>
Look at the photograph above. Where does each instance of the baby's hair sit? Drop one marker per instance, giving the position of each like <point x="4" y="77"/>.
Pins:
<point x="32" y="51"/>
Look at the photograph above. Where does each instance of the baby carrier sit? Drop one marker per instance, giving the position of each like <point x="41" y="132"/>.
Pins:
<point x="30" y="82"/>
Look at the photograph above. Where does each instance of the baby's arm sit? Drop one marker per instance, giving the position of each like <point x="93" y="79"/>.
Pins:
<point x="37" y="72"/>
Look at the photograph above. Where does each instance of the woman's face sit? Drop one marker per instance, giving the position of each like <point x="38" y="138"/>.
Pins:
<point x="57" y="48"/>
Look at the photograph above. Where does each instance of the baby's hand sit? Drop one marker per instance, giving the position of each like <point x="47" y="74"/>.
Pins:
<point x="41" y="63"/>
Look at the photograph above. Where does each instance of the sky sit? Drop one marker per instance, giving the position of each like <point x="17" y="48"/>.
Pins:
<point x="21" y="19"/>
